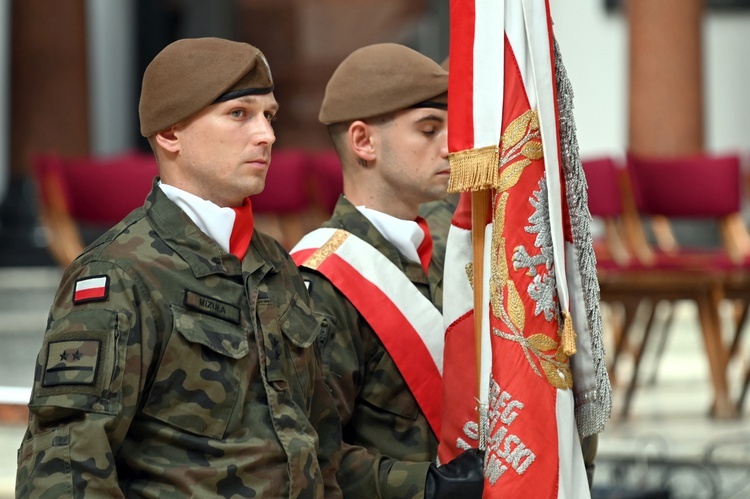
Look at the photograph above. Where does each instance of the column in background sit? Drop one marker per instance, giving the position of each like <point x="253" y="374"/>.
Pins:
<point x="113" y="98"/>
<point x="666" y="77"/>
<point x="4" y="94"/>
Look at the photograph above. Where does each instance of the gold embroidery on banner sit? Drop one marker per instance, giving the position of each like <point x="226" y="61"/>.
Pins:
<point x="470" y="273"/>
<point x="499" y="266"/>
<point x="521" y="144"/>
<point x="516" y="131"/>
<point x="510" y="175"/>
<point x="330" y="247"/>
<point x="515" y="307"/>
<point x="557" y="377"/>
<point x="533" y="150"/>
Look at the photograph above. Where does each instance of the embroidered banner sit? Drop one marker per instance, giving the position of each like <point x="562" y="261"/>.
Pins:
<point x="525" y="418"/>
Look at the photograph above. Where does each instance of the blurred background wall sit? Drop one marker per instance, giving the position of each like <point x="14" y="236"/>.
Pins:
<point x="594" y="45"/>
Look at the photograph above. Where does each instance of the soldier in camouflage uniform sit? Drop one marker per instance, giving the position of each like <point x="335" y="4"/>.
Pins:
<point x="177" y="360"/>
<point x="385" y="107"/>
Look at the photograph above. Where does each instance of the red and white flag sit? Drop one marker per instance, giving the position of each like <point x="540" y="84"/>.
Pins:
<point x="507" y="379"/>
<point x="94" y="288"/>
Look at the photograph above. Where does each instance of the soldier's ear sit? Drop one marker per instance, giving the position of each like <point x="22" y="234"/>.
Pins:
<point x="362" y="140"/>
<point x="168" y="140"/>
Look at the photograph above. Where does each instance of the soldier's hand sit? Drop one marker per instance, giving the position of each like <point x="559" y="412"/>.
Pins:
<point x="462" y="478"/>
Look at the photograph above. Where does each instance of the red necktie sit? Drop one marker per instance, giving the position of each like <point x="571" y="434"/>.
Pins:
<point x="425" y="247"/>
<point x="242" y="231"/>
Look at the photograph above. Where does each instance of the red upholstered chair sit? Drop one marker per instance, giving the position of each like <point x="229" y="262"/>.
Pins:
<point x="615" y="262"/>
<point x="714" y="188"/>
<point x="692" y="189"/>
<point x="328" y="180"/>
<point x="87" y="191"/>
<point x="302" y="188"/>
<point x="605" y="204"/>
<point x="282" y="209"/>
<point x="700" y="187"/>
<point x="611" y="249"/>
<point x="649" y="275"/>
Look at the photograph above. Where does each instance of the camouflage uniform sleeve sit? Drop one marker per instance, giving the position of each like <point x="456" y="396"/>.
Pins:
<point x="325" y="420"/>
<point x="303" y="329"/>
<point x="362" y="473"/>
<point x="327" y="423"/>
<point x="88" y="377"/>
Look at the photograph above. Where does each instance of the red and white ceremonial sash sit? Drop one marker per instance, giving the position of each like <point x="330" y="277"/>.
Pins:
<point x="407" y="323"/>
<point x="503" y="138"/>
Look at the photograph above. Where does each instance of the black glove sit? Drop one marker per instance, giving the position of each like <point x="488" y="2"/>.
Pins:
<point x="462" y="478"/>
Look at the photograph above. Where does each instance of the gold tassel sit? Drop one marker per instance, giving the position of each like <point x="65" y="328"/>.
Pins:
<point x="474" y="169"/>
<point x="568" y="335"/>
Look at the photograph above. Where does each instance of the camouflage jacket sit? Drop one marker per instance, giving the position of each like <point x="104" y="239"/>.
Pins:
<point x="388" y="442"/>
<point x="438" y="215"/>
<point x="193" y="373"/>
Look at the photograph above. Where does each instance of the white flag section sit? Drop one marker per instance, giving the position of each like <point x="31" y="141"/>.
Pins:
<point x="507" y="380"/>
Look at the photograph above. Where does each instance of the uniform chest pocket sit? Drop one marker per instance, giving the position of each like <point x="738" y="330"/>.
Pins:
<point x="201" y="374"/>
<point x="289" y="355"/>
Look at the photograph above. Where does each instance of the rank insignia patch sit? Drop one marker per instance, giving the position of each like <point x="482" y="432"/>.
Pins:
<point x="71" y="362"/>
<point x="91" y="289"/>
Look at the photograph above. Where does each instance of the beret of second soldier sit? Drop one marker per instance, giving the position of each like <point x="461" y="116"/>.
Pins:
<point x="189" y="74"/>
<point x="380" y="79"/>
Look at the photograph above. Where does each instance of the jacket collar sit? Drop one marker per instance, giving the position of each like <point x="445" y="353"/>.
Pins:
<point x="346" y="216"/>
<point x="201" y="253"/>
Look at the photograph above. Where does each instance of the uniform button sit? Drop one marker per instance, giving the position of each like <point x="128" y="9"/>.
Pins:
<point x="279" y="385"/>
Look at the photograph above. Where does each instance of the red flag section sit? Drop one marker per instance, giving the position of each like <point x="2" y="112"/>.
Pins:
<point x="520" y="406"/>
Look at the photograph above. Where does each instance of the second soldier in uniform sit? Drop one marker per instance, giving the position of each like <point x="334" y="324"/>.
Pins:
<point x="373" y="281"/>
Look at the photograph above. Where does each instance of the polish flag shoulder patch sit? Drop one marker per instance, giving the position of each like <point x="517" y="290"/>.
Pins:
<point x="95" y="288"/>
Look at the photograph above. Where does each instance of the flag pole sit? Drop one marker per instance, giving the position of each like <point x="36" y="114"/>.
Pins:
<point x="480" y="200"/>
<point x="474" y="133"/>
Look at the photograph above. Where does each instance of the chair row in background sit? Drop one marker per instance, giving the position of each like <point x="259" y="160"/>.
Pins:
<point x="78" y="198"/>
<point x="642" y="263"/>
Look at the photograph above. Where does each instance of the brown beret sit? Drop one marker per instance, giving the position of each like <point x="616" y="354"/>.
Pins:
<point x="380" y="79"/>
<point x="189" y="74"/>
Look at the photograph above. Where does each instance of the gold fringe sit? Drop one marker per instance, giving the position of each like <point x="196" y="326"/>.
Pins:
<point x="568" y="339"/>
<point x="474" y="169"/>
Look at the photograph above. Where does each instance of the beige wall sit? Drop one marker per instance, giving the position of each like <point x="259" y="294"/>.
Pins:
<point x="594" y="46"/>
